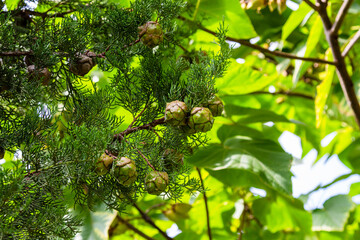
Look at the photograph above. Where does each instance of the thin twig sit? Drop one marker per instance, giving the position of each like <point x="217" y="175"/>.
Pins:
<point x="340" y="16"/>
<point x="150" y="221"/>
<point x="206" y="205"/>
<point x="313" y="6"/>
<point x="351" y="43"/>
<point x="246" y="42"/>
<point x="16" y="53"/>
<point x="135" y="118"/>
<point x="40" y="14"/>
<point x="132" y="227"/>
<point x="242" y="220"/>
<point x="143" y="156"/>
<point x="154" y="206"/>
<point x="147" y="126"/>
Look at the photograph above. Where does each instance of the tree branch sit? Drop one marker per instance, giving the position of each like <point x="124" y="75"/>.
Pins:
<point x="16" y="53"/>
<point x="154" y="123"/>
<point x="132" y="227"/>
<point x="346" y="83"/>
<point x="313" y="6"/>
<point x="150" y="221"/>
<point x="242" y="220"/>
<point x="39" y="14"/>
<point x="259" y="48"/>
<point x="340" y="16"/>
<point x="206" y="205"/>
<point x="351" y="43"/>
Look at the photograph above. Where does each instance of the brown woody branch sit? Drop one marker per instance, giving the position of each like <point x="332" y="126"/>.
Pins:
<point x="130" y="226"/>
<point x="341" y="70"/>
<point x="16" y="53"/>
<point x="246" y="42"/>
<point x="147" y="126"/>
<point x="313" y="6"/>
<point x="39" y="14"/>
<point x="243" y="219"/>
<point x="148" y="219"/>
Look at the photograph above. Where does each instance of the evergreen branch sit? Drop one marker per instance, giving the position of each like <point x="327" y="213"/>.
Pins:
<point x="143" y="156"/>
<point x="287" y="93"/>
<point x="147" y="126"/>
<point x="247" y="43"/>
<point x="148" y="219"/>
<point x="351" y="43"/>
<point x="132" y="227"/>
<point x="340" y="16"/>
<point x="136" y="118"/>
<point x="346" y="83"/>
<point x="16" y="53"/>
<point x="206" y="205"/>
<point x="39" y="14"/>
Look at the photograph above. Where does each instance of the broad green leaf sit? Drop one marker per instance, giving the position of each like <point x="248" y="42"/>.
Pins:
<point x="11" y="4"/>
<point x="244" y="162"/>
<point x="314" y="37"/>
<point x="242" y="79"/>
<point x="282" y="214"/>
<point x="354" y="189"/>
<point x="229" y="10"/>
<point x="300" y="66"/>
<point x="228" y="131"/>
<point x="334" y="214"/>
<point x="251" y="115"/>
<point x="295" y="19"/>
<point x="323" y="90"/>
<point x="96" y="224"/>
<point x="351" y="155"/>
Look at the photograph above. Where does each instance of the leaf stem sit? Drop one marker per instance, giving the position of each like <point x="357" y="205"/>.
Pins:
<point x="206" y="205"/>
<point x="196" y="9"/>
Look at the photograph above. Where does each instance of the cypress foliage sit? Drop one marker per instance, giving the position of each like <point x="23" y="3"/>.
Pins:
<point x="62" y="121"/>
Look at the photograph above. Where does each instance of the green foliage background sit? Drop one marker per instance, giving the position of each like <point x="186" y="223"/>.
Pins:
<point x="243" y="151"/>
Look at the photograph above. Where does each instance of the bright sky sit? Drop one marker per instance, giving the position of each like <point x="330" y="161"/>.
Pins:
<point x="308" y="175"/>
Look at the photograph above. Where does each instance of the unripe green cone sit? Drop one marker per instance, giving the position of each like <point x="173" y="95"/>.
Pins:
<point x="175" y="113"/>
<point x="151" y="34"/>
<point x="125" y="171"/>
<point x="201" y="119"/>
<point x="156" y="182"/>
<point x="103" y="165"/>
<point x="216" y="106"/>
